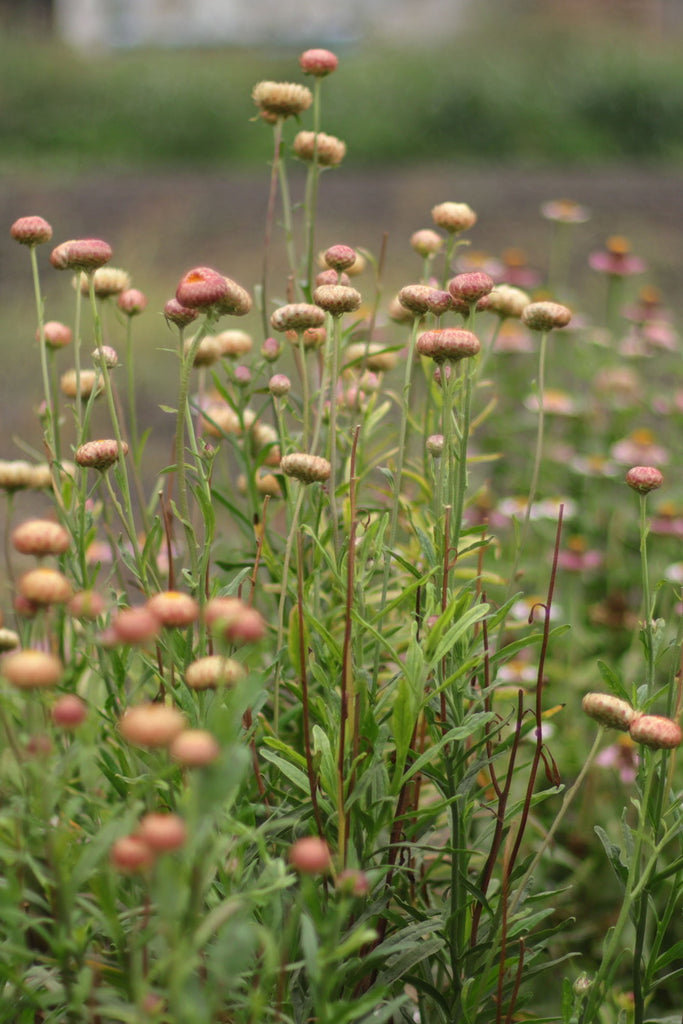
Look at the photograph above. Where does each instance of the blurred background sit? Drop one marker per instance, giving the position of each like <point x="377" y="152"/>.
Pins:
<point x="133" y="120"/>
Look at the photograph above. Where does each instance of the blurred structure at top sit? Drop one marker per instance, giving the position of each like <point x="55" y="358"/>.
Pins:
<point x="130" y="23"/>
<point x="172" y="23"/>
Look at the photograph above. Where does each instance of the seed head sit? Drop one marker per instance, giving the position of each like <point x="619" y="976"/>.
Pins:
<point x="506" y="301"/>
<point x="448" y="344"/>
<point x="31" y="670"/>
<point x="329" y="151"/>
<point x="44" y="586"/>
<point x="131" y="301"/>
<point x="235" y="343"/>
<point x="644" y="479"/>
<point x="195" y="748"/>
<point x="608" y="710"/>
<point x="173" y="608"/>
<point x="178" y="314"/>
<point x="282" y="99"/>
<point x="100" y="454"/>
<point x="151" y="725"/>
<point x="310" y="856"/>
<point x="298" y="316"/>
<point x="544" y="316"/>
<point x="56" y="334"/>
<point x="337" y="299"/>
<point x="340" y="257"/>
<point x="306" y="468"/>
<point x="31" y="231"/>
<point x="213" y="670"/>
<point x="81" y="254"/>
<point x="426" y="242"/>
<point x="454" y="217"/>
<point x="40" y="537"/>
<point x="318" y="62"/>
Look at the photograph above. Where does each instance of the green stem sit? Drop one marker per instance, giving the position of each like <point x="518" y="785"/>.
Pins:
<point x="647" y="600"/>
<point x="311" y="201"/>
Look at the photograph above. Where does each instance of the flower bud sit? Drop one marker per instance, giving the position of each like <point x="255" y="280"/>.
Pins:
<point x="644" y="479"/>
<point x="282" y="99"/>
<point x="81" y="254"/>
<point x="40" y="537"/>
<point x="30" y="669"/>
<point x="656" y="731"/>
<point x="174" y="609"/>
<point x="318" y="62"/>
<point x="326" y="150"/>
<point x="297" y="316"/>
<point x="31" y="231"/>
<point x="310" y="856"/>
<point x="608" y="710"/>
<point x="448" y="344"/>
<point x="69" y="711"/>
<point x="131" y="301"/>
<point x="194" y="748"/>
<point x="100" y="454"/>
<point x="56" y="334"/>
<point x="337" y="298"/>
<point x="454" y="217"/>
<point x="45" y="586"/>
<point x="151" y="725"/>
<point x="162" y="832"/>
<point x="306" y="468"/>
<point x="544" y="316"/>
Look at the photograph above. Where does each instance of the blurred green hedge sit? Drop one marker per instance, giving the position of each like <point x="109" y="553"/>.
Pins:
<point x="530" y="93"/>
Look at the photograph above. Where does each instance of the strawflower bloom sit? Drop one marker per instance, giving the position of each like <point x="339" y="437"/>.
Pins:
<point x="212" y="671"/>
<point x="426" y="242"/>
<point x="162" y="832"/>
<point x="656" y="732"/>
<point x="297" y="316"/>
<point x="81" y="254"/>
<point x="318" y="62"/>
<point x="201" y="288"/>
<point x="564" y="211"/>
<point x="132" y="302"/>
<point x="31" y="669"/>
<point x="282" y="99"/>
<point x="337" y="299"/>
<point x="544" y="316"/>
<point x="151" y="725"/>
<point x="310" y="856"/>
<point x="40" y="537"/>
<point x="308" y="469"/>
<point x="131" y="855"/>
<point x="135" y="625"/>
<point x="174" y="609"/>
<point x="100" y="454"/>
<point x="194" y="748"/>
<point x="45" y="586"/>
<point x="608" y="710"/>
<point x="327" y="150"/>
<point x="31" y="231"/>
<point x="454" y="217"/>
<point x="56" y="334"/>
<point x="448" y="344"/>
<point x="644" y="479"/>
<point x="616" y="259"/>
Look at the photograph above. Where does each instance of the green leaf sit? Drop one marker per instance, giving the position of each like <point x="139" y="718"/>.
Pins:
<point x="613" y="681"/>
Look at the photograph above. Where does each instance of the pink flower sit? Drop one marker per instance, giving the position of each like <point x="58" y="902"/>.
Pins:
<point x="616" y="259"/>
<point x="623" y="756"/>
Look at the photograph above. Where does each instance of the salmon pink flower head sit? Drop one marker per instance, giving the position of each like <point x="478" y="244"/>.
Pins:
<point x="85" y="254"/>
<point x="31" y="231"/>
<point x="201" y="288"/>
<point x="318" y="62"/>
<point x="616" y="259"/>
